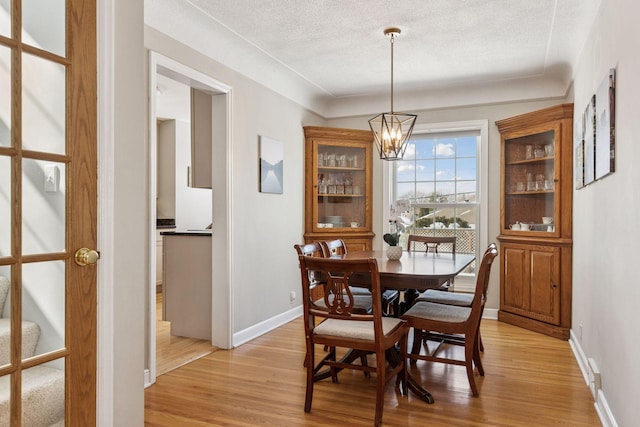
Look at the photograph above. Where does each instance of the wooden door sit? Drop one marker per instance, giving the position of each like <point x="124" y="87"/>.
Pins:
<point x="515" y="279"/>
<point x="48" y="210"/>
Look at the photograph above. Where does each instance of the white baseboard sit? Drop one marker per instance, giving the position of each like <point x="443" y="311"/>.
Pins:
<point x="601" y="405"/>
<point x="490" y="313"/>
<point x="265" y="326"/>
<point x="147" y="378"/>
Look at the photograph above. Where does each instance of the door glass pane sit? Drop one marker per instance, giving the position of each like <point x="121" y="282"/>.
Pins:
<point x="5" y="206"/>
<point x="43" y="24"/>
<point x="43" y="206"/>
<point x="43" y="105"/>
<point x="5" y="20"/>
<point x="5" y="314"/>
<point x="43" y="395"/>
<point x="4" y="400"/>
<point x="5" y="90"/>
<point x="43" y="307"/>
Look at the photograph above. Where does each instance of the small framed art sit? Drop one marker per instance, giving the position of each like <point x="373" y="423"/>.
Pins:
<point x="271" y="165"/>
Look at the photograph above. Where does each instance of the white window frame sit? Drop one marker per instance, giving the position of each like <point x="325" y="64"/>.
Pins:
<point x="482" y="165"/>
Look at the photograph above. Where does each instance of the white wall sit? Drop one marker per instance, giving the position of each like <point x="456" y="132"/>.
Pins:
<point x="605" y="279"/>
<point x="190" y="207"/>
<point x="129" y="185"/>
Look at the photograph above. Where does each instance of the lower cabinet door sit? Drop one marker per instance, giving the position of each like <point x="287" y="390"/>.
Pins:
<point x="531" y="281"/>
<point x="544" y="293"/>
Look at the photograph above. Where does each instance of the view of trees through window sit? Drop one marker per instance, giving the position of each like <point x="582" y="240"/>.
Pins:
<point x="438" y="178"/>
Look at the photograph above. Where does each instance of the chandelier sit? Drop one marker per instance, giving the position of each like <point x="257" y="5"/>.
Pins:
<point x="392" y="130"/>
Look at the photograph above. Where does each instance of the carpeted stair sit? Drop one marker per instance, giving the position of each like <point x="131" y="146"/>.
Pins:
<point x="42" y="386"/>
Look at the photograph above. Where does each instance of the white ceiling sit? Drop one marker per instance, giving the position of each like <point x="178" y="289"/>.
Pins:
<point x="338" y="48"/>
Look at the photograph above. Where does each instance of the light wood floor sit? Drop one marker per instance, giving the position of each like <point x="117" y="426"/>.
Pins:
<point x="172" y="351"/>
<point x="530" y="380"/>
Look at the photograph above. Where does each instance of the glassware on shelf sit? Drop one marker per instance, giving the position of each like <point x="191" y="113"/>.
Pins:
<point x="549" y="150"/>
<point x="322" y="185"/>
<point x="529" y="152"/>
<point x="531" y="184"/>
<point x="538" y="152"/>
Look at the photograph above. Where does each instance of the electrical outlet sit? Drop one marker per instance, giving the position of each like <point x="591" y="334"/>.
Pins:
<point x="292" y="296"/>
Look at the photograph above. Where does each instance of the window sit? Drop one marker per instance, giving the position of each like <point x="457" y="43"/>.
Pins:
<point x="438" y="186"/>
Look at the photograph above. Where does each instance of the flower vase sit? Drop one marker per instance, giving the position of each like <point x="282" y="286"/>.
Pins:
<point x="394" y="252"/>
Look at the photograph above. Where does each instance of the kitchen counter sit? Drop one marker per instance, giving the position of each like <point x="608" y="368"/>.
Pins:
<point x="187" y="233"/>
<point x="186" y="283"/>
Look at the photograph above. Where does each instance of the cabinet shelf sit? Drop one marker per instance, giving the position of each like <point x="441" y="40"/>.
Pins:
<point x="340" y="195"/>
<point x="530" y="193"/>
<point x="339" y="169"/>
<point x="536" y="160"/>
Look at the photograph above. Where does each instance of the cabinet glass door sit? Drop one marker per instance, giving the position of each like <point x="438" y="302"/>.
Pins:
<point x="530" y="183"/>
<point x="341" y="186"/>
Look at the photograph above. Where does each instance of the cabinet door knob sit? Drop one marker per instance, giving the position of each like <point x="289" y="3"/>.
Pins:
<point x="554" y="285"/>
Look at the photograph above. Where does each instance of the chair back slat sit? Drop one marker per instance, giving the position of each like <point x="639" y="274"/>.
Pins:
<point x="310" y="249"/>
<point x="431" y="242"/>
<point x="334" y="248"/>
<point x="338" y="298"/>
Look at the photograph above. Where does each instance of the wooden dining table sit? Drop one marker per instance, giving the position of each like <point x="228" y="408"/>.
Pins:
<point x="414" y="271"/>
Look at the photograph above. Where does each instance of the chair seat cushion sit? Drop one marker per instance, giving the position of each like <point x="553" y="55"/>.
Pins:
<point x="361" y="303"/>
<point x="442" y="297"/>
<point x="355" y="290"/>
<point x="438" y="312"/>
<point x="353" y="329"/>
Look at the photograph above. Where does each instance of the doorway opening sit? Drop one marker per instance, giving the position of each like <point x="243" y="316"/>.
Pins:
<point x="175" y="204"/>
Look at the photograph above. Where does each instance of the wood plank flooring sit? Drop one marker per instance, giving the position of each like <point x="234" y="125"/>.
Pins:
<point x="172" y="351"/>
<point x="530" y="380"/>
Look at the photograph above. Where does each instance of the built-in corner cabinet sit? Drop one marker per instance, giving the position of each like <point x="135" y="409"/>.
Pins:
<point x="338" y="181"/>
<point x="535" y="224"/>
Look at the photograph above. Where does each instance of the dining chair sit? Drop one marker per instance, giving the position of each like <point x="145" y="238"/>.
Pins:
<point x="334" y="247"/>
<point x="361" y="296"/>
<point x="453" y="298"/>
<point x="432" y="243"/>
<point x="453" y="324"/>
<point x="362" y="301"/>
<point x="341" y="326"/>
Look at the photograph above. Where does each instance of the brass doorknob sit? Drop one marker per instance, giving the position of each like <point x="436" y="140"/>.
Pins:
<point x="85" y="256"/>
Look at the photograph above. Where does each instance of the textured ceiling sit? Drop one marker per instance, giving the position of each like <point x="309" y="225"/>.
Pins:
<point x="338" y="46"/>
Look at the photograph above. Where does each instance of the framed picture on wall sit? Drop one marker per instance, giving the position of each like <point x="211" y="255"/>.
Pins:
<point x="605" y="126"/>
<point x="589" y="138"/>
<point x="271" y="165"/>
